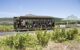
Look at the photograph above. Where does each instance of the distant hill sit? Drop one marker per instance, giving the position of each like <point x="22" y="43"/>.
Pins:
<point x="10" y="20"/>
<point x="6" y="19"/>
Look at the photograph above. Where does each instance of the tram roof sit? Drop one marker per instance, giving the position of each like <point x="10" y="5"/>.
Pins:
<point x="35" y="16"/>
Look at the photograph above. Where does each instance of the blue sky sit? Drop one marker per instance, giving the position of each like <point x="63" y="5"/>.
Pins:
<point x="55" y="8"/>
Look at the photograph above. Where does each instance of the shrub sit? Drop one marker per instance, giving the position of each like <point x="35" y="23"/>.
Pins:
<point x="71" y="34"/>
<point x="24" y="40"/>
<point x="59" y="35"/>
<point x="43" y="38"/>
<point x="8" y="41"/>
<point x="20" y="41"/>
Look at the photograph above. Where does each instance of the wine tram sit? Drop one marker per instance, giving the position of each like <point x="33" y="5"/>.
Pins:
<point x="28" y="23"/>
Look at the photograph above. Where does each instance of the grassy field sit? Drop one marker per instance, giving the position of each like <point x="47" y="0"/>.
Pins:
<point x="6" y="28"/>
<point x="58" y="39"/>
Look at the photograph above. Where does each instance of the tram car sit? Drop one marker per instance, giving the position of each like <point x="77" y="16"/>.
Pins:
<point x="28" y="23"/>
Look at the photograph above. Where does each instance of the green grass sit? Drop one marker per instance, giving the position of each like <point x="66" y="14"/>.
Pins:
<point x="40" y="39"/>
<point x="6" y="28"/>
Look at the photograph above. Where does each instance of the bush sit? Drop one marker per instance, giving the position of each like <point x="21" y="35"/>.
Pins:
<point x="71" y="34"/>
<point x="43" y="38"/>
<point x="59" y="35"/>
<point x="24" y="40"/>
<point x="9" y="41"/>
<point x="20" y="41"/>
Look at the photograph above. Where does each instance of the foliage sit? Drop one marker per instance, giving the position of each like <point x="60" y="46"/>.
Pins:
<point x="19" y="41"/>
<point x="9" y="41"/>
<point x="71" y="34"/>
<point x="39" y="39"/>
<point x="43" y="38"/>
<point x="6" y="28"/>
<point x="60" y="35"/>
<point x="24" y="40"/>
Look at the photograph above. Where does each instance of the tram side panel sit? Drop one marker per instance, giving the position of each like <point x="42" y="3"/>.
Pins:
<point x="19" y="24"/>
